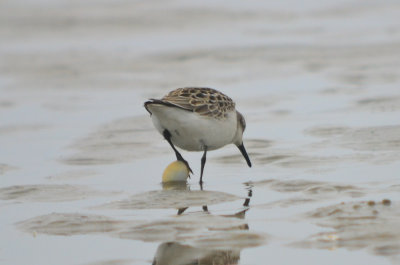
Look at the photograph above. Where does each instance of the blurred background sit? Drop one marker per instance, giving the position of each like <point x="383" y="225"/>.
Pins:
<point x="81" y="164"/>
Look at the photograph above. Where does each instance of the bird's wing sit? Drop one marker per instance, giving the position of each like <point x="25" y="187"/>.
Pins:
<point x="203" y="101"/>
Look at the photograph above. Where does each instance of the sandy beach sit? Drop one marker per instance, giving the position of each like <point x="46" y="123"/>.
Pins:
<point x="81" y="162"/>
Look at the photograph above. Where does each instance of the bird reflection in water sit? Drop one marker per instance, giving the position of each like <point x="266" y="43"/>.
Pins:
<point x="178" y="254"/>
<point x="183" y="254"/>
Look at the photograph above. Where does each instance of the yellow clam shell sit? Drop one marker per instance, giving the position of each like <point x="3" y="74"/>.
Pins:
<point x="176" y="171"/>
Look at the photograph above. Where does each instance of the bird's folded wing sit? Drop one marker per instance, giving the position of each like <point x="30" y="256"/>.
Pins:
<point x="204" y="101"/>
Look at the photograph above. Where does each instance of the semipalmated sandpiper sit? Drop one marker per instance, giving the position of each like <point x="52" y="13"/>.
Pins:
<point x="198" y="119"/>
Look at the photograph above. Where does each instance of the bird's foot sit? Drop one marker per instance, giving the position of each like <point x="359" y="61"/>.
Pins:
<point x="201" y="184"/>
<point x="187" y="164"/>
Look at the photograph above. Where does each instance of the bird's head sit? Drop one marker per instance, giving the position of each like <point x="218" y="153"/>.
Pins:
<point x="238" y="139"/>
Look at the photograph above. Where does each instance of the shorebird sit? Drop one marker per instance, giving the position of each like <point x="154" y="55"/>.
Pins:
<point x="198" y="119"/>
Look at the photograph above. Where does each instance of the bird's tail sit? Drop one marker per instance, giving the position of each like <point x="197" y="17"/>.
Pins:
<point x="159" y="102"/>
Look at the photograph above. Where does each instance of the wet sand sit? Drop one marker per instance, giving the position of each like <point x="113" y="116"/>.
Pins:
<point x="81" y="164"/>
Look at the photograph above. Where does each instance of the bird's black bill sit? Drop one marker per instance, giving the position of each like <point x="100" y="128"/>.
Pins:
<point x="244" y="153"/>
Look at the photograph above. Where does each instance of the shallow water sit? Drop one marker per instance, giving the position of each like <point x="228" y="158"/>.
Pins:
<point x="81" y="164"/>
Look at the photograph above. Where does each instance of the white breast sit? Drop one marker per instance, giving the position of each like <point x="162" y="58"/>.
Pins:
<point x="191" y="131"/>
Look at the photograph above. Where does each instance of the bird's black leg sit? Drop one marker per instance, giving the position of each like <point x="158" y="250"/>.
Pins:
<point x="167" y="136"/>
<point x="203" y="162"/>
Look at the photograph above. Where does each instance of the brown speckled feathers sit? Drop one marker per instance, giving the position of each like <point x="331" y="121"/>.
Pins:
<point x="204" y="101"/>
